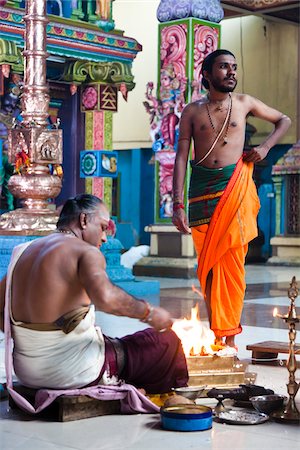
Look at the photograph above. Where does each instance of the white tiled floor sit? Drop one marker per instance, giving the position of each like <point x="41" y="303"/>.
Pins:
<point x="143" y="432"/>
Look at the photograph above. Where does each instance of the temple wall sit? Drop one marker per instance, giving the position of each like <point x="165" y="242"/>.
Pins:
<point x="131" y="124"/>
<point x="267" y="57"/>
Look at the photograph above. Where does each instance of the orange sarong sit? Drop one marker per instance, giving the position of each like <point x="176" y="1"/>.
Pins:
<point x="222" y="246"/>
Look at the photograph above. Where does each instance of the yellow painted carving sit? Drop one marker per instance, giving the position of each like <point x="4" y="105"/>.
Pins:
<point x="89" y="144"/>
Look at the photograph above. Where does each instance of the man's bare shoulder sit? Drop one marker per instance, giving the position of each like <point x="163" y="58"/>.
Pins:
<point x="194" y="107"/>
<point x="243" y="98"/>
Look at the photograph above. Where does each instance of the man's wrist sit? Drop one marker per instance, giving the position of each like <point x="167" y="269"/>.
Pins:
<point x="147" y="316"/>
<point x="177" y="206"/>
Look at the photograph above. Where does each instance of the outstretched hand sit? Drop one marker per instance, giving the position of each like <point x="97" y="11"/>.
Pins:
<point x="256" y="154"/>
<point x="160" y="319"/>
<point x="180" y="221"/>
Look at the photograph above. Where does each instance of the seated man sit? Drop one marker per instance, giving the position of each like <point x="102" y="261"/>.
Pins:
<point x="56" y="283"/>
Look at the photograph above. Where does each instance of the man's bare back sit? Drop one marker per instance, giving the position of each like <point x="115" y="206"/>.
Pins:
<point x="48" y="285"/>
<point x="64" y="271"/>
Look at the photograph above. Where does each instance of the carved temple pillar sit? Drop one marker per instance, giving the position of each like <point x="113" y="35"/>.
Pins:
<point x="184" y="42"/>
<point x="286" y="176"/>
<point x="98" y="136"/>
<point x="33" y="146"/>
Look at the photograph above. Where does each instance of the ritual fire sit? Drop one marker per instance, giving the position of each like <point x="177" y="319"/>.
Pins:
<point x="208" y="364"/>
<point x="196" y="337"/>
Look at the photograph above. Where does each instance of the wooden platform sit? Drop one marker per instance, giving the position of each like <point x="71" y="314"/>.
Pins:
<point x="263" y="351"/>
<point x="67" y="408"/>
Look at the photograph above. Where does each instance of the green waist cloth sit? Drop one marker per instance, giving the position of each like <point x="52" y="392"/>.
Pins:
<point x="206" y="188"/>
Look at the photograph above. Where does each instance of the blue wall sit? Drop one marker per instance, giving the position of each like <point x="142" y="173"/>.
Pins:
<point x="135" y="196"/>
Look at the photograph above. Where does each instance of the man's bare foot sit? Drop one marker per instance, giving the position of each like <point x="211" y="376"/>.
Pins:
<point x="219" y="340"/>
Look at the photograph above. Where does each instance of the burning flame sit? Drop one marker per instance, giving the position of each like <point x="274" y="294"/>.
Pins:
<point x="196" y="338"/>
<point x="275" y="312"/>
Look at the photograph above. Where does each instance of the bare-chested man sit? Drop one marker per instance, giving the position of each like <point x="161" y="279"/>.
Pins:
<point x="223" y="202"/>
<point x="55" y="284"/>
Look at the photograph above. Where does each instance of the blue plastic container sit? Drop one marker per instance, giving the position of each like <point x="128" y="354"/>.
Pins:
<point x="186" y="418"/>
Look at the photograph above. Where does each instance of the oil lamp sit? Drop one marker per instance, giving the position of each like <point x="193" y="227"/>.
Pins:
<point x="290" y="413"/>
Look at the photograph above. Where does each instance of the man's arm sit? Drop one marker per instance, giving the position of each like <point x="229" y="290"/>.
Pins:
<point x="2" y="302"/>
<point x="281" y="125"/>
<point x="110" y="299"/>
<point x="184" y="142"/>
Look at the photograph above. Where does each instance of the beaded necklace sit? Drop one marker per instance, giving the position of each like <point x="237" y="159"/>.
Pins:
<point x="226" y="121"/>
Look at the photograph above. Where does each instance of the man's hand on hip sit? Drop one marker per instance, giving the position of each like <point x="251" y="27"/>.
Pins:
<point x="180" y="221"/>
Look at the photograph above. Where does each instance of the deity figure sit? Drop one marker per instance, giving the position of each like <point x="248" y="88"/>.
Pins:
<point x="103" y="9"/>
<point x="165" y="112"/>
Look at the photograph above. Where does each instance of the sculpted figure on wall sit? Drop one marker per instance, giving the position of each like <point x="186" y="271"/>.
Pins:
<point x="165" y="110"/>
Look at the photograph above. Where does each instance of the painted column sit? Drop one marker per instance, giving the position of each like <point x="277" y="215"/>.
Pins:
<point x="183" y="45"/>
<point x="98" y="136"/>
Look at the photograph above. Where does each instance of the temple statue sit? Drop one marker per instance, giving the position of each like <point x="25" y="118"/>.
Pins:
<point x="103" y="9"/>
<point x="165" y="110"/>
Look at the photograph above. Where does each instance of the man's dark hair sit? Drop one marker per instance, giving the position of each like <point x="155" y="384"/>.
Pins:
<point x="83" y="203"/>
<point x="209" y="61"/>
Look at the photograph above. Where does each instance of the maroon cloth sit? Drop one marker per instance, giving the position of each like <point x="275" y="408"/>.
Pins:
<point x="154" y="361"/>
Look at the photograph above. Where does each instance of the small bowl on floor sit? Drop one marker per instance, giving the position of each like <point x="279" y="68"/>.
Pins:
<point x="190" y="392"/>
<point x="267" y="403"/>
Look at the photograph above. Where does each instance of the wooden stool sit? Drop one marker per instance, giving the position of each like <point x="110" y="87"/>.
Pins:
<point x="268" y="350"/>
<point x="66" y="408"/>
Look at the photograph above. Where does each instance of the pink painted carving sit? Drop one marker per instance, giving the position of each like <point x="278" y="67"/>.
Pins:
<point x="98" y="187"/>
<point x="206" y="41"/>
<point x="173" y="48"/>
<point x="89" y="98"/>
<point x="166" y="163"/>
<point x="98" y="129"/>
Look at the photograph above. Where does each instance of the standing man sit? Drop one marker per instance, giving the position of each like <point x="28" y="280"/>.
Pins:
<point x="223" y="201"/>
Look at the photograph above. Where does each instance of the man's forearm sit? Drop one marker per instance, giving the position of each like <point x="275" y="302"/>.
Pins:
<point x="281" y="128"/>
<point x="119" y="303"/>
<point x="178" y="178"/>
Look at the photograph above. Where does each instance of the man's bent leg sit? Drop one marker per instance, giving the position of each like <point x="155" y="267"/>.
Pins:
<point x="154" y="361"/>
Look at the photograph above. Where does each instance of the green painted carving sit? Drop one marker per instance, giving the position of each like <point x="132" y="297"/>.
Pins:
<point x="11" y="54"/>
<point x="77" y="13"/>
<point x="89" y="144"/>
<point x="107" y="192"/>
<point x="90" y="9"/>
<point x="108" y="130"/>
<point x="105" y="72"/>
<point x="14" y="3"/>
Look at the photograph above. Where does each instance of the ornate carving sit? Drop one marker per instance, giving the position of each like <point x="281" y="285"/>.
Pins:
<point x="257" y="4"/>
<point x="32" y="138"/>
<point x="105" y="72"/>
<point x="181" y="9"/>
<point x="289" y="163"/>
<point x="108" y="97"/>
<point x="206" y="41"/>
<point x="42" y="146"/>
<point x="12" y="55"/>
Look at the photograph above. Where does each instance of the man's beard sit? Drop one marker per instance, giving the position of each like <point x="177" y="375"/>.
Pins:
<point x="219" y="87"/>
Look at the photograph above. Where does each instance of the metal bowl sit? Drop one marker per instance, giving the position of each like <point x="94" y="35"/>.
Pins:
<point x="190" y="392"/>
<point x="267" y="403"/>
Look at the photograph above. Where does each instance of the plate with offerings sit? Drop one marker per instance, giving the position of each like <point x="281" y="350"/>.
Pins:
<point x="241" y="417"/>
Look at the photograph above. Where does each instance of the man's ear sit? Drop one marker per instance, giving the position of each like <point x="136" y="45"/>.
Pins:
<point x="204" y="74"/>
<point x="83" y="220"/>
